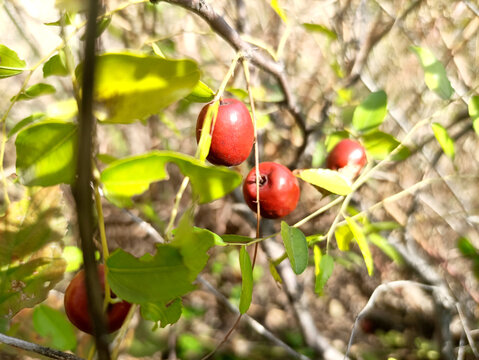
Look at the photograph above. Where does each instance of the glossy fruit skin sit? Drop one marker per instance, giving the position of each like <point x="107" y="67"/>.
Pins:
<point x="233" y="134"/>
<point x="278" y="190"/>
<point x="76" y="308"/>
<point x="347" y="154"/>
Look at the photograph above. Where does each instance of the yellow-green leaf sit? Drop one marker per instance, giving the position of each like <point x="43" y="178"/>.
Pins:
<point x="362" y="243"/>
<point x="246" y="281"/>
<point x="473" y="107"/>
<point x="330" y="180"/>
<point x="443" y="138"/>
<point x="277" y="8"/>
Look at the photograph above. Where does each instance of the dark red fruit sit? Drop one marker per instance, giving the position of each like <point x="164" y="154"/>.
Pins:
<point x="233" y="134"/>
<point x="347" y="156"/>
<point x="278" y="190"/>
<point x="76" y="307"/>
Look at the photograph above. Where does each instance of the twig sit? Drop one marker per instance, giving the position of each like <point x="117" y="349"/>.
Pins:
<point x="82" y="188"/>
<point x="38" y="349"/>
<point x="467" y="331"/>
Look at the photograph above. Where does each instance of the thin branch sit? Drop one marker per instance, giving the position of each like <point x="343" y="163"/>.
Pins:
<point x="38" y="349"/>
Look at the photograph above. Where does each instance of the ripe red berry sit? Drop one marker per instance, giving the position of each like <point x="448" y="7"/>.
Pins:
<point x="347" y="156"/>
<point x="76" y="308"/>
<point x="278" y="190"/>
<point x="233" y="133"/>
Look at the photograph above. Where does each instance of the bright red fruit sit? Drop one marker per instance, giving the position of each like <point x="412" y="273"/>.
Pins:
<point x="278" y="190"/>
<point x="76" y="307"/>
<point x="233" y="134"/>
<point x="348" y="156"/>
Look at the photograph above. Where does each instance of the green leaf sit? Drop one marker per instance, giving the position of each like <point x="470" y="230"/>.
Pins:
<point x="379" y="145"/>
<point x="473" y="107"/>
<point x="362" y="243"/>
<point x="296" y="247"/>
<point x="343" y="237"/>
<point x="25" y="122"/>
<point x="35" y="91"/>
<point x="54" y="325"/>
<point x="330" y="180"/>
<point x="467" y="249"/>
<point x="323" y="268"/>
<point x="277" y="8"/>
<point x="132" y="176"/>
<point x="74" y="258"/>
<point x="246" y="281"/>
<point x="335" y="137"/>
<point x="201" y="93"/>
<point x="149" y="279"/>
<point x="46" y="152"/>
<point x="381" y="226"/>
<point x="164" y="313"/>
<point x="56" y="65"/>
<point x="386" y="248"/>
<point x="371" y="112"/>
<point x="130" y="87"/>
<point x="193" y="244"/>
<point x="321" y="29"/>
<point x="237" y="239"/>
<point x="10" y="63"/>
<point x="101" y="26"/>
<point x="205" y="139"/>
<point x="435" y="74"/>
<point x="274" y="273"/>
<point x="443" y="138"/>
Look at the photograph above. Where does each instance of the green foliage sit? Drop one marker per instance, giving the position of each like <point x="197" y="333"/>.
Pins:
<point x="443" y="138"/>
<point x="323" y="268"/>
<point x="246" y="280"/>
<point x="360" y="238"/>
<point x="379" y="145"/>
<point x="296" y="247"/>
<point x="56" y="65"/>
<point x="46" y="153"/>
<point x="321" y="29"/>
<point x="25" y="122"/>
<point x="10" y="63"/>
<point x="73" y="257"/>
<point x="473" y="108"/>
<point x="132" y="176"/>
<point x="54" y="325"/>
<point x="35" y="91"/>
<point x="435" y="74"/>
<point x="239" y="239"/>
<point x="279" y="10"/>
<point x="329" y="180"/>
<point x="201" y="93"/>
<point x="371" y="112"/>
<point x="130" y="87"/>
<point x="164" y="313"/>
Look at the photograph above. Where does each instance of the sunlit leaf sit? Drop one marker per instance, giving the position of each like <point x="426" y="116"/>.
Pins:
<point x="10" y="63"/>
<point x="54" y="326"/>
<point x="204" y="142"/>
<point x="371" y="112"/>
<point x="443" y="138"/>
<point x="277" y="8"/>
<point x="74" y="258"/>
<point x="334" y="138"/>
<point x="330" y="180"/>
<point x="25" y="122"/>
<point x="323" y="268"/>
<point x="132" y="176"/>
<point x="130" y="87"/>
<point x="201" y="93"/>
<point x="164" y="313"/>
<point x="362" y="243"/>
<point x="246" y="280"/>
<point x="473" y="107"/>
<point x="45" y="153"/>
<point x="435" y="75"/>
<point x="35" y="91"/>
<point x="379" y="145"/>
<point x="56" y="65"/>
<point x="385" y="247"/>
<point x="343" y="237"/>
<point x="296" y="247"/>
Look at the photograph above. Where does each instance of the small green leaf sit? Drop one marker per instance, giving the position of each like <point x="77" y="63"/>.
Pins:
<point x="237" y="239"/>
<point x="330" y="180"/>
<point x="74" y="258"/>
<point x="101" y="26"/>
<point x="10" y="63"/>
<point x="435" y="74"/>
<point x="386" y="248"/>
<point x="335" y="137"/>
<point x="379" y="145"/>
<point x="35" y="91"/>
<point x="321" y="29"/>
<point x="473" y="107"/>
<point x="204" y="143"/>
<point x="132" y="176"/>
<point x="296" y="247"/>
<point x="467" y="249"/>
<point x="130" y="87"/>
<point x="343" y="237"/>
<point x="277" y="8"/>
<point x="45" y="153"/>
<point x="54" y="325"/>
<point x="362" y="243"/>
<point x="274" y="273"/>
<point x="149" y="279"/>
<point x="201" y="93"/>
<point x="371" y="112"/>
<point x="246" y="281"/>
<point x="25" y="122"/>
<point x="164" y="313"/>
<point x="323" y="268"/>
<point x="443" y="138"/>
<point x="56" y="65"/>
